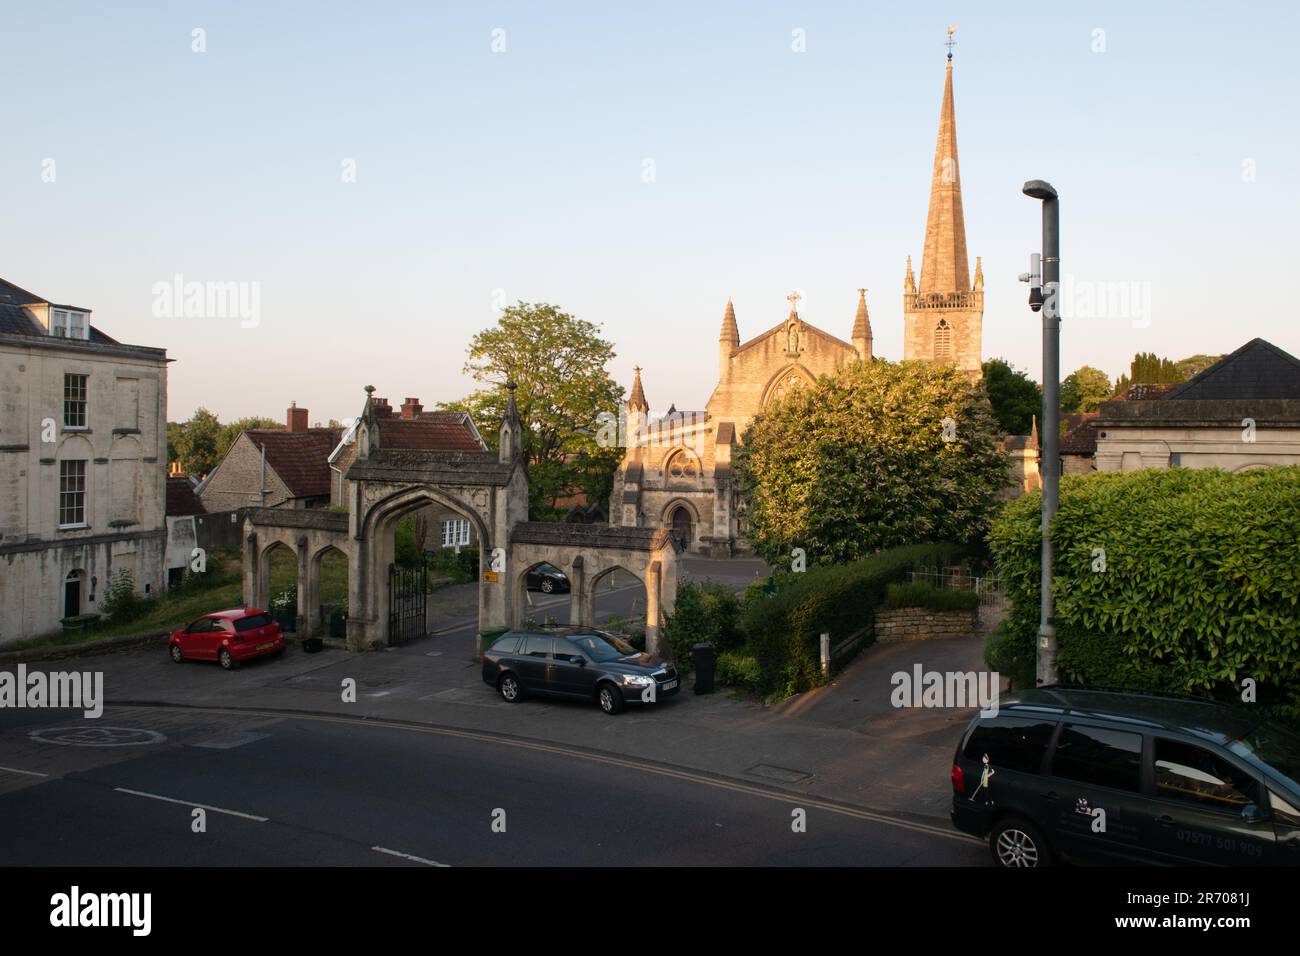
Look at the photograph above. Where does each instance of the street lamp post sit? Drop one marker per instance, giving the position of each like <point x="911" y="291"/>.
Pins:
<point x="1047" y="299"/>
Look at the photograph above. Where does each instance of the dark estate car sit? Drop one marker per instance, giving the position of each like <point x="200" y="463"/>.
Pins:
<point x="546" y="578"/>
<point x="580" y="663"/>
<point x="1093" y="775"/>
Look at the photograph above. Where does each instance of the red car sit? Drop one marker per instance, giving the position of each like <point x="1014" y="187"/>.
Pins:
<point x="228" y="637"/>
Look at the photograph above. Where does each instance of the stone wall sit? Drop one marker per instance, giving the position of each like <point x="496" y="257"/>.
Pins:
<point x="919" y="624"/>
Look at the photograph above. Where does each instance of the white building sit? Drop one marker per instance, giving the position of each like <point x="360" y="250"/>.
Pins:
<point x="83" y="441"/>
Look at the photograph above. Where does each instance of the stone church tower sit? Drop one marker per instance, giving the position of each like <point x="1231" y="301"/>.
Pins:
<point x="943" y="318"/>
<point x="677" y="470"/>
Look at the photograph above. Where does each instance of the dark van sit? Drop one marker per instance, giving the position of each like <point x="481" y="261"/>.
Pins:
<point x="1089" y="775"/>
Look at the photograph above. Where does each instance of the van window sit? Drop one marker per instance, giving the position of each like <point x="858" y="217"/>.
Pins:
<point x="1012" y="743"/>
<point x="1105" y="758"/>
<point x="1194" y="775"/>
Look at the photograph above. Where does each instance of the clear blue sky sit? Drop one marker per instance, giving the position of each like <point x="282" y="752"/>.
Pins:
<point x="521" y="171"/>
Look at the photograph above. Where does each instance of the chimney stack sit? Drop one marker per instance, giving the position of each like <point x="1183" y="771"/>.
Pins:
<point x="382" y="408"/>
<point x="297" y="418"/>
<point x="411" y="409"/>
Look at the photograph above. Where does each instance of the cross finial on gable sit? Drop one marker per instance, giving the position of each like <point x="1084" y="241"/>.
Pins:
<point x="793" y="298"/>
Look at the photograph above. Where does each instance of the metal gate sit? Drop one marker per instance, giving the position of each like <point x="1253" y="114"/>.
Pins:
<point x="407" y="595"/>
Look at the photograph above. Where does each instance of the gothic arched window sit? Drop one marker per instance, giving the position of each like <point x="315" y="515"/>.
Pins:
<point x="943" y="342"/>
<point x="682" y="466"/>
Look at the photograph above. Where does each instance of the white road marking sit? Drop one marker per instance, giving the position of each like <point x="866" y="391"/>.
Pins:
<point x="736" y="786"/>
<point x="407" y="856"/>
<point x="191" y="803"/>
<point x="29" y="773"/>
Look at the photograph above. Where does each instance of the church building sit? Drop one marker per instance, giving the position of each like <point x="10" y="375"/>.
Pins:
<point x="677" y="471"/>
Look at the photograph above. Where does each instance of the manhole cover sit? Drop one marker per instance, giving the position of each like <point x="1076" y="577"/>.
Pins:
<point x="83" y="736"/>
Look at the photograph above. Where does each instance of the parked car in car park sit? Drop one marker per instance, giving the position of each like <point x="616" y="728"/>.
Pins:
<point x="1091" y="775"/>
<point x="578" y="663"/>
<point x="547" y="578"/>
<point x="227" y="637"/>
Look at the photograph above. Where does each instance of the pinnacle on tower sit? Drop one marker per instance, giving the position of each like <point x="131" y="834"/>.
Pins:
<point x="637" y="402"/>
<point x="862" y="327"/>
<point x="909" y="280"/>
<point x="944" y="265"/>
<point x="730" y="331"/>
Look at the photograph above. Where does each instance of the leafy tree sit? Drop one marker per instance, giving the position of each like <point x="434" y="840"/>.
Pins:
<point x="1084" y="389"/>
<point x="226" y="437"/>
<point x="883" y="454"/>
<point x="558" y="364"/>
<point x="1195" y="364"/>
<point x="196" y="443"/>
<point x="174" y="430"/>
<point x="1147" y="368"/>
<point x="1015" y="397"/>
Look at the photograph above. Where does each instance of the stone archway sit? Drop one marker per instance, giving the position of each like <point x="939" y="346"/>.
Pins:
<point x="586" y="553"/>
<point x="488" y="488"/>
<point x="373" y="550"/>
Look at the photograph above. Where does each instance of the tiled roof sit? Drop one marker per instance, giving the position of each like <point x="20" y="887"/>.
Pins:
<point x="181" y="499"/>
<point x="299" y="458"/>
<point x="429" y="434"/>
<point x="1080" y="437"/>
<point x="1144" y="392"/>
<point x="1258" y="369"/>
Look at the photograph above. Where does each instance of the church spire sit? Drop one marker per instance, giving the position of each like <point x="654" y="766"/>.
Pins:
<point x="637" y="402"/>
<point x="944" y="266"/>
<point x="862" y="327"/>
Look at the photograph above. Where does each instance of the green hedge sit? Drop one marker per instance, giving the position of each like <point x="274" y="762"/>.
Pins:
<point x="739" y="668"/>
<point x="784" y="629"/>
<point x="1200" y="587"/>
<point x="921" y="594"/>
<point x="703" y="612"/>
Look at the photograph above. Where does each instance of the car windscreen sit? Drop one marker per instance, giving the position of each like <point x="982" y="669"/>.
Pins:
<point x="603" y="647"/>
<point x="252" y="622"/>
<point x="1271" y="744"/>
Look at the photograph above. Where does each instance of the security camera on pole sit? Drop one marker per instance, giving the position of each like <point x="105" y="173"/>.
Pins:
<point x="1050" y="461"/>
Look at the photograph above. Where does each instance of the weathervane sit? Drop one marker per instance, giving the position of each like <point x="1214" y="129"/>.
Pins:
<point x="951" y="42"/>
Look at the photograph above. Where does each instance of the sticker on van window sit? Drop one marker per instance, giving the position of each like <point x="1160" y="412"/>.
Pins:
<point x="986" y="775"/>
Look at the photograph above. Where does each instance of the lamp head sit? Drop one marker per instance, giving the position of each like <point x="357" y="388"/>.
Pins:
<point x="1039" y="189"/>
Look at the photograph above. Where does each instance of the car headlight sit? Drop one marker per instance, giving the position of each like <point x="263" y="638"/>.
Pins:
<point x="638" y="680"/>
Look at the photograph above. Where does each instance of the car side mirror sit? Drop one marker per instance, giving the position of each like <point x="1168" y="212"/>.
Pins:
<point x="1252" y="814"/>
<point x="580" y="661"/>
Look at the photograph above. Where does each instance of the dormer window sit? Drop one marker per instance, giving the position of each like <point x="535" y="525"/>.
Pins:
<point x="67" y="324"/>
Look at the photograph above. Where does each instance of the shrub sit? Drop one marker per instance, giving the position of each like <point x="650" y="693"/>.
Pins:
<point x="783" y="628"/>
<point x="122" y="603"/>
<point x="286" y="600"/>
<point x="739" y="668"/>
<point x="1185" y="580"/>
<point x="704" y="612"/>
<point x="921" y="594"/>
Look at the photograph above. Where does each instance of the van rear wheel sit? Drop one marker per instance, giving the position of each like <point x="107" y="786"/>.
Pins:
<point x="1016" y="842"/>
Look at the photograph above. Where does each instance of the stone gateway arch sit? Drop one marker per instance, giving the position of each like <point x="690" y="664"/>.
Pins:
<point x="490" y="490"/>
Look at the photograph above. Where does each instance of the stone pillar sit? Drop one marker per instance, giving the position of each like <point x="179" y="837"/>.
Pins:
<point x="577" y="593"/>
<point x="251" y="570"/>
<point x="653" y="638"/>
<point x="305" y="616"/>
